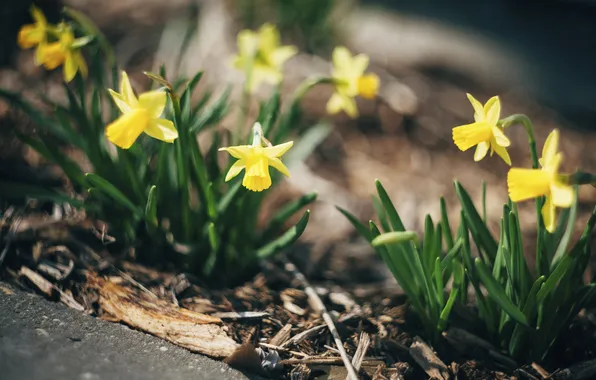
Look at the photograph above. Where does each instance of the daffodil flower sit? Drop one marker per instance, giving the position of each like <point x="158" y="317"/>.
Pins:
<point x="261" y="56"/>
<point x="484" y="133"/>
<point x="138" y="116"/>
<point x="65" y="51"/>
<point x="31" y="35"/>
<point x="256" y="159"/>
<point x="350" y="81"/>
<point x="531" y="183"/>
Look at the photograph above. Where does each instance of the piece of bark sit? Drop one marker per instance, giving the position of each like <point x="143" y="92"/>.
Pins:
<point x="194" y="331"/>
<point x="282" y="335"/>
<point x="426" y="358"/>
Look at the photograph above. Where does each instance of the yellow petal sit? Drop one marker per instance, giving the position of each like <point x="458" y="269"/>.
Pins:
<point x="257" y="166"/>
<point x="368" y="85"/>
<point x="70" y="67"/>
<point x="492" y="110"/>
<point x="126" y="129"/>
<point x="82" y="64"/>
<point x="359" y="64"/>
<point x="268" y="38"/>
<point x="481" y="150"/>
<point x="277" y="150"/>
<point x="267" y="74"/>
<point x="256" y="183"/>
<point x="548" y="215"/>
<point x="500" y="137"/>
<point x="282" y="54"/>
<point x="120" y="103"/>
<point x="342" y="60"/>
<point x="562" y="195"/>
<point x="551" y="145"/>
<point x="502" y="152"/>
<point x="154" y="102"/>
<point x="235" y="169"/>
<point x="52" y="55"/>
<point x="248" y="43"/>
<point x="239" y="151"/>
<point x="467" y="136"/>
<point x="126" y="90"/>
<point x="335" y="104"/>
<point x="29" y="36"/>
<point x="478" y="109"/>
<point x="527" y="183"/>
<point x="162" y="129"/>
<point x="38" y="16"/>
<point x="277" y="164"/>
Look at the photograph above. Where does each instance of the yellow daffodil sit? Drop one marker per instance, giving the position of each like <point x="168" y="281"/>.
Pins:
<point x="350" y="81"/>
<point x="31" y="35"/>
<point x="484" y="133"/>
<point x="531" y="183"/>
<point x="256" y="159"/>
<point x="138" y="116"/>
<point x="65" y="51"/>
<point x="261" y="57"/>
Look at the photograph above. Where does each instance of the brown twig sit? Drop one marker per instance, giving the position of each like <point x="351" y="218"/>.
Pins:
<point x="326" y="360"/>
<point x="318" y="306"/>
<point x="363" y="345"/>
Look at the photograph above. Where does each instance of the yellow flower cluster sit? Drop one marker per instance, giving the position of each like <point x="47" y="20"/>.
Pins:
<point x="486" y="134"/>
<point x="261" y="57"/>
<point x="56" y="45"/>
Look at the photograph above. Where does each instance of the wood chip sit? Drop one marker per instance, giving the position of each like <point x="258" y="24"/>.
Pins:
<point x="282" y="335"/>
<point x="233" y="315"/>
<point x="541" y="371"/>
<point x="428" y="360"/>
<point x="49" y="289"/>
<point x="194" y="331"/>
<point x="294" y="309"/>
<point x="296" y="339"/>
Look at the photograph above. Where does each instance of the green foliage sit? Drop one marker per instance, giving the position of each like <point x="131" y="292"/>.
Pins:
<point x="170" y="201"/>
<point x="522" y="313"/>
<point x="421" y="269"/>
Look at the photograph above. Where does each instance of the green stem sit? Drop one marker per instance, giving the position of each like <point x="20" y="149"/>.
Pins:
<point x="541" y="259"/>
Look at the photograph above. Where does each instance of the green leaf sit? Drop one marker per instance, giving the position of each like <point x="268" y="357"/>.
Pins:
<point x="444" y="316"/>
<point x="279" y="219"/>
<point x="285" y="240"/>
<point x="214" y="245"/>
<point x="566" y="238"/>
<point x="109" y="189"/>
<point x="475" y="222"/>
<point x="151" y="207"/>
<point x="392" y="214"/>
<point x="447" y="234"/>
<point x="212" y="114"/>
<point x="497" y="293"/>
<point x="307" y="143"/>
<point x="362" y="230"/>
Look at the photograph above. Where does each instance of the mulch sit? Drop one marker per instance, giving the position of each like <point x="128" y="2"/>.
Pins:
<point x="269" y="325"/>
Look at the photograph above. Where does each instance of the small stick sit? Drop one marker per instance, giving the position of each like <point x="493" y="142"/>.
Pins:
<point x="363" y="345"/>
<point x="303" y="335"/>
<point x="282" y="349"/>
<point x="317" y="304"/>
<point x="541" y="371"/>
<point x="327" y="360"/>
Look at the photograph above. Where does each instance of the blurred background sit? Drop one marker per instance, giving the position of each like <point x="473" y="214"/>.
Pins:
<point x="538" y="57"/>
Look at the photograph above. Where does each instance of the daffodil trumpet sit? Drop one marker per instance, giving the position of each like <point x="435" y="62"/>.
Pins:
<point x="255" y="160"/>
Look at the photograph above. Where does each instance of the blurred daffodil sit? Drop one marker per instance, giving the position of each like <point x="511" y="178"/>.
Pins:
<point x="256" y="159"/>
<point x="350" y="81"/>
<point x="484" y="133"/>
<point x="138" y="116"/>
<point x="66" y="51"/>
<point x="261" y="57"/>
<point x="32" y="35"/>
<point x="531" y="183"/>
